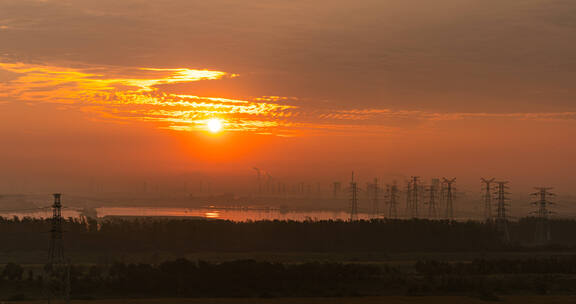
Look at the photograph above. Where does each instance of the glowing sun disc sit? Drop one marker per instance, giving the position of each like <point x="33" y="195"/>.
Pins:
<point x="214" y="125"/>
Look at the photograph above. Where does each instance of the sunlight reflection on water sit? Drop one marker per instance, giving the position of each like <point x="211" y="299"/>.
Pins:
<point x="233" y="214"/>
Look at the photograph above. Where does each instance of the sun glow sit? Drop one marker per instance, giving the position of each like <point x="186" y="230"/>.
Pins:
<point x="137" y="94"/>
<point x="214" y="125"/>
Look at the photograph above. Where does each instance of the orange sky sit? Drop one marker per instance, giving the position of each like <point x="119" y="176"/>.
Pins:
<point x="305" y="90"/>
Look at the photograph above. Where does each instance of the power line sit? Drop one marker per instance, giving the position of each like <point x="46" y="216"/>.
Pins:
<point x="24" y="209"/>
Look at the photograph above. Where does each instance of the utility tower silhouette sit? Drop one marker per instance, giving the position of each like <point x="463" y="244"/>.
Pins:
<point x="487" y="188"/>
<point x="502" y="207"/>
<point x="542" y="226"/>
<point x="408" y="198"/>
<point x="258" y="180"/>
<point x="412" y="197"/>
<point x="449" y="192"/>
<point x="336" y="189"/>
<point x="375" y="198"/>
<point x="353" y="199"/>
<point x="432" y="198"/>
<point x="392" y="200"/>
<point x="57" y="271"/>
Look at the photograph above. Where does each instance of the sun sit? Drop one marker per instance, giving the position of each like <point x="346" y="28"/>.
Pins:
<point x="214" y="125"/>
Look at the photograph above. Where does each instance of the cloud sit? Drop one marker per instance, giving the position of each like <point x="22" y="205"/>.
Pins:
<point x="465" y="56"/>
<point x="139" y="97"/>
<point x="137" y="94"/>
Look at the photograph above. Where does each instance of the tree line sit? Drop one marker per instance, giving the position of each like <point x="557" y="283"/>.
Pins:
<point x="547" y="265"/>
<point x="181" y="235"/>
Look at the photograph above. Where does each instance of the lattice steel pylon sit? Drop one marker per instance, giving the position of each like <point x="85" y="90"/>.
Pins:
<point x="542" y="202"/>
<point x="353" y="199"/>
<point x="375" y="198"/>
<point x="336" y="189"/>
<point x="502" y="211"/>
<point x="57" y="271"/>
<point x="258" y="180"/>
<point x="408" y="196"/>
<point x="449" y="193"/>
<point x="392" y="200"/>
<point x="433" y="198"/>
<point x="413" y="197"/>
<point x="487" y="197"/>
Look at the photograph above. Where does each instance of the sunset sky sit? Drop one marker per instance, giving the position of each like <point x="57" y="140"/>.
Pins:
<point x="306" y="90"/>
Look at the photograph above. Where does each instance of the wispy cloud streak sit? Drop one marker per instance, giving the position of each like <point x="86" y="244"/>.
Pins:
<point x="140" y="97"/>
<point x="136" y="95"/>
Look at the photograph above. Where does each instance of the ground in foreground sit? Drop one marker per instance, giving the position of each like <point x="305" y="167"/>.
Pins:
<point x="363" y="300"/>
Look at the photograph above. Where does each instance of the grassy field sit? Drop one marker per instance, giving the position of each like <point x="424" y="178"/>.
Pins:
<point x="366" y="300"/>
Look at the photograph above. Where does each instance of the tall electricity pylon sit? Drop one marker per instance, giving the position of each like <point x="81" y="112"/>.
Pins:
<point x="502" y="213"/>
<point x="336" y="189"/>
<point x="258" y="180"/>
<point x="57" y="271"/>
<point x="433" y="198"/>
<point x="542" y="225"/>
<point x="487" y="196"/>
<point x="353" y="199"/>
<point x="442" y="197"/>
<point x="375" y="198"/>
<point x="412" y="197"/>
<point x="449" y="192"/>
<point x="408" y="196"/>
<point x="392" y="200"/>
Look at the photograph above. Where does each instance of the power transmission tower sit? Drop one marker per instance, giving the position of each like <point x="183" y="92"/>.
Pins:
<point x="336" y="189"/>
<point x="57" y="271"/>
<point x="487" y="188"/>
<point x="392" y="200"/>
<point x="369" y="194"/>
<point x="415" y="196"/>
<point x="432" y="198"/>
<point x="542" y="226"/>
<point x="408" y="198"/>
<point x="375" y="198"/>
<point x="502" y="213"/>
<point x="442" y="196"/>
<point x="412" y="197"/>
<point x="268" y="184"/>
<point x="258" y="180"/>
<point x="353" y="199"/>
<point x="449" y="192"/>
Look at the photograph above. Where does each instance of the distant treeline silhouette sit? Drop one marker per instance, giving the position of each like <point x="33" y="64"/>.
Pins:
<point x="548" y="265"/>
<point x="181" y="236"/>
